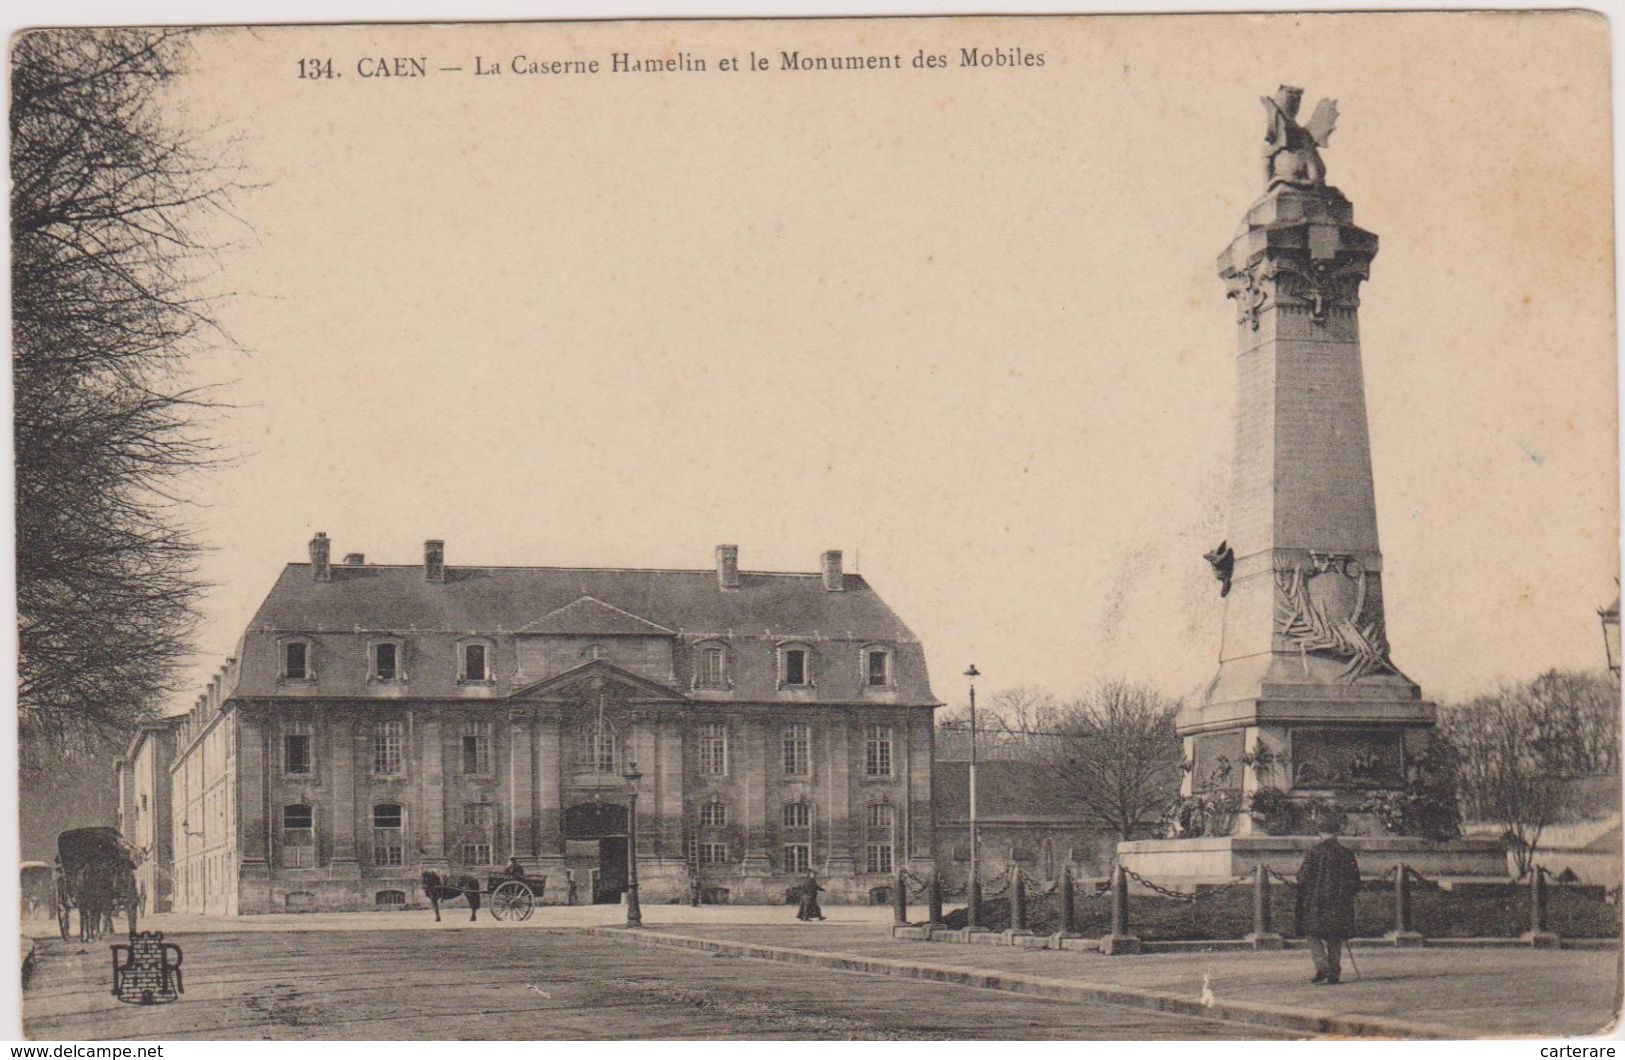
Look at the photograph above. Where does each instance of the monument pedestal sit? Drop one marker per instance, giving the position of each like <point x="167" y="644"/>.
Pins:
<point x="1182" y="864"/>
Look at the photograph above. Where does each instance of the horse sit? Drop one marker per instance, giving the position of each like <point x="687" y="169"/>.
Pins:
<point x="437" y="889"/>
<point x="97" y="888"/>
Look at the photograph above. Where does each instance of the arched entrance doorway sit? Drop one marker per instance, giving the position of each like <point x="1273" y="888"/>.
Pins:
<point x="605" y="824"/>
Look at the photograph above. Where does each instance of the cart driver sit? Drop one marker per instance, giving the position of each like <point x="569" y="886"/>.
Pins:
<point x="514" y="869"/>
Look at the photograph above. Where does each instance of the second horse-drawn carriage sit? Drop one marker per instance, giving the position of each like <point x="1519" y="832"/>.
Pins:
<point x="95" y="874"/>
<point x="512" y="897"/>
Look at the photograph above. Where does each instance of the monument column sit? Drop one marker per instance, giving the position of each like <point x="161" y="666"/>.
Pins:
<point x="1307" y="705"/>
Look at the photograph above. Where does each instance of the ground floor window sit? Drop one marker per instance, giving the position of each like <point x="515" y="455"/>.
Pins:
<point x="476" y="853"/>
<point x="713" y="853"/>
<point x="298" y="837"/>
<point x="390" y="899"/>
<point x="386" y="834"/>
<point x="797" y="857"/>
<point x="879" y="825"/>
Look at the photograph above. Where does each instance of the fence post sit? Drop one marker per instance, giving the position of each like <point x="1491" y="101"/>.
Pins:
<point x="1069" y="916"/>
<point x="1403" y="934"/>
<point x="1018" y="902"/>
<point x="1119" y="940"/>
<point x="934" y="900"/>
<point x="1263" y="937"/>
<point x="1537" y="935"/>
<point x="899" y="900"/>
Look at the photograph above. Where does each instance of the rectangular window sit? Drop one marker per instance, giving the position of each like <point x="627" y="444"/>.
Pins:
<point x="708" y="668"/>
<point x="476" y="853"/>
<point x="714" y="815"/>
<point x="795" y="666"/>
<point x="386" y="748"/>
<point x="797" y="750"/>
<point x="714" y="749"/>
<point x="295" y="661"/>
<point x="595" y="751"/>
<point x="878" y="829"/>
<point x="386" y="834"/>
<point x="296" y="753"/>
<point x="797" y="857"/>
<point x="879" y="669"/>
<point x="385" y="662"/>
<point x="474" y="662"/>
<point x="298" y="837"/>
<point x="477" y="747"/>
<point x="797" y="815"/>
<point x="877" y="751"/>
<point x="713" y="853"/>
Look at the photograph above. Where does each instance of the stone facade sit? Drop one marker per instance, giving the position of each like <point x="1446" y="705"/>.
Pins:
<point x="144" y="811"/>
<point x="379" y="722"/>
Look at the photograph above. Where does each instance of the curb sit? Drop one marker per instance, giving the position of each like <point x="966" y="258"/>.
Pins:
<point x="1318" y="1023"/>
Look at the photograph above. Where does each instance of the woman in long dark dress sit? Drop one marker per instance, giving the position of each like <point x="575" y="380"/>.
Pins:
<point x="809" y="900"/>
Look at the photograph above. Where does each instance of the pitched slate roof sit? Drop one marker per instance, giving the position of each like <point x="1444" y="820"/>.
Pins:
<point x="509" y="599"/>
<point x="649" y="620"/>
<point x="594" y="618"/>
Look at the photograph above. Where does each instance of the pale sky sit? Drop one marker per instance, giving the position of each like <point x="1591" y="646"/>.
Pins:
<point x="964" y="325"/>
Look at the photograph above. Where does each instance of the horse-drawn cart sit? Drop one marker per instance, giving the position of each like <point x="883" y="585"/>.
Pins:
<point x="95" y="874"/>
<point x="511" y="897"/>
<point x="514" y="898"/>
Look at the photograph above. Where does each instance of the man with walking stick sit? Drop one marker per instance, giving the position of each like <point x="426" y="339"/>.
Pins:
<point x="1328" y="880"/>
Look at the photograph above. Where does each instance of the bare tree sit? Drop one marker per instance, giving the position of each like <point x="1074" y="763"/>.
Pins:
<point x="1113" y="751"/>
<point x="1522" y="747"/>
<point x="105" y="268"/>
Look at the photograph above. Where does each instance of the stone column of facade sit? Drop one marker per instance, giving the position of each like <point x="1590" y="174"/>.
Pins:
<point x="838" y="798"/>
<point x="432" y="811"/>
<point x="645" y="749"/>
<point x="342" y="753"/>
<point x="921" y="830"/>
<point x="521" y="784"/>
<point x="550" y="844"/>
<point x="756" y="783"/>
<point x="669" y="794"/>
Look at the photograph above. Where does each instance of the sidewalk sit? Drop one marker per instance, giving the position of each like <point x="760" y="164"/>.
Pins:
<point x="877" y="919"/>
<point x="1448" y="993"/>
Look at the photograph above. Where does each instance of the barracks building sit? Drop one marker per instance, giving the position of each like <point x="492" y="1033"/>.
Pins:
<point x="381" y="720"/>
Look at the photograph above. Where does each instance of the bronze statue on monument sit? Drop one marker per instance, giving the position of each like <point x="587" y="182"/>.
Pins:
<point x="1292" y="151"/>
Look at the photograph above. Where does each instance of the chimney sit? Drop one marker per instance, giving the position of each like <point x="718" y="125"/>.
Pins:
<point x="728" y="566"/>
<point x="434" y="560"/>
<point x="320" y="549"/>
<point x="355" y="559"/>
<point x="830" y="563"/>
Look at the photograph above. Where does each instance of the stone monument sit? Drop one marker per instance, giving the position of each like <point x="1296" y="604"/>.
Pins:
<point x="1308" y="706"/>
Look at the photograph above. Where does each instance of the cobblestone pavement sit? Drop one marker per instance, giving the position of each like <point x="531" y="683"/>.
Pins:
<point x="465" y="982"/>
<point x="1494" y="992"/>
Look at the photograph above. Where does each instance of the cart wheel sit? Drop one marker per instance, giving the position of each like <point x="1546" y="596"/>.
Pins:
<point x="511" y="901"/>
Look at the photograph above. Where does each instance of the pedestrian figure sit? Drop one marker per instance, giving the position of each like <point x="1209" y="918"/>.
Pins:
<point x="810" y="909"/>
<point x="570" y="882"/>
<point x="1328" y="879"/>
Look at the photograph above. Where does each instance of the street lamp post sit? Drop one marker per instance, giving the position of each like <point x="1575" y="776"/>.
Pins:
<point x="1610" y="634"/>
<point x="973" y="891"/>
<point x="634" y="912"/>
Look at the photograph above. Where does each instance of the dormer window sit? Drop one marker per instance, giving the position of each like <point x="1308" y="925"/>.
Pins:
<point x="474" y="663"/>
<point x="297" y="660"/>
<point x="877" y="668"/>
<point x="795" y="667"/>
<point x="711" y="666"/>
<point x="385" y="662"/>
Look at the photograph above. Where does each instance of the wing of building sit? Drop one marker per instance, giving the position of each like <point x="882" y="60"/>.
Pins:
<point x="380" y="721"/>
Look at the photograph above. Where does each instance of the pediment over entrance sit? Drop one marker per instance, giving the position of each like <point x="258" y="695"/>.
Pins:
<point x="598" y="677"/>
<point x="590" y="616"/>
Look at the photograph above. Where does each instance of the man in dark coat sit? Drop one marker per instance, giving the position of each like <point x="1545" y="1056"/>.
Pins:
<point x="1328" y="879"/>
<point x="810" y="909"/>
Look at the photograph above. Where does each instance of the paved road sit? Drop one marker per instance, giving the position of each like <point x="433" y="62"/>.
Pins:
<point x="458" y="983"/>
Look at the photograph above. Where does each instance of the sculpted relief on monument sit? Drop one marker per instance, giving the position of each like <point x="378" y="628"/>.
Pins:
<point x="1327" y="605"/>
